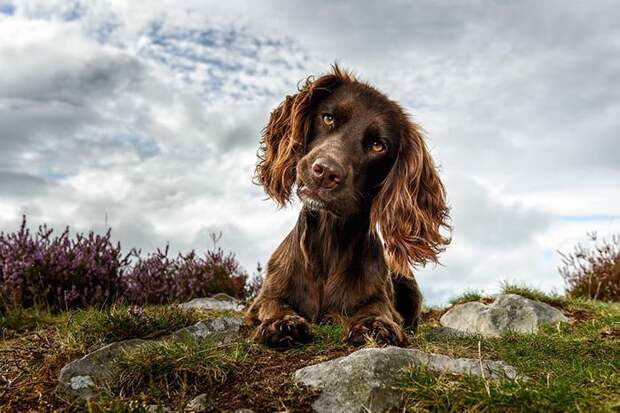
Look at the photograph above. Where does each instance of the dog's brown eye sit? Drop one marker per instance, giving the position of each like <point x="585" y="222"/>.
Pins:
<point x="328" y="119"/>
<point x="377" y="146"/>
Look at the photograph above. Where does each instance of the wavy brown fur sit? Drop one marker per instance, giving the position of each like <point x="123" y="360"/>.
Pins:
<point x="351" y="257"/>
<point x="284" y="138"/>
<point x="411" y="209"/>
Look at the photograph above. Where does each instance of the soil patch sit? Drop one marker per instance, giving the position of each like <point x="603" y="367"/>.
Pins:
<point x="267" y="384"/>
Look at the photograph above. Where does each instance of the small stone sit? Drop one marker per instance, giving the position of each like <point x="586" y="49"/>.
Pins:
<point x="221" y="302"/>
<point x="363" y="380"/>
<point x="509" y="312"/>
<point x="156" y="408"/>
<point x="80" y="382"/>
<point x="82" y="377"/>
<point x="198" y="404"/>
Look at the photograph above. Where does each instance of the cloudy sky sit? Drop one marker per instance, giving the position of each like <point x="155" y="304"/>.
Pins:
<point x="149" y="114"/>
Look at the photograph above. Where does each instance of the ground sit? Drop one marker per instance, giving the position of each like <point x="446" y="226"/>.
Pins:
<point x="573" y="367"/>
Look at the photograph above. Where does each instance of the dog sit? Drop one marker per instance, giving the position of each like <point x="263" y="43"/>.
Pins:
<point x="373" y="207"/>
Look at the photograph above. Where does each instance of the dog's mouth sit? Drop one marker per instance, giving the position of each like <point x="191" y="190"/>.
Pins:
<point x="310" y="198"/>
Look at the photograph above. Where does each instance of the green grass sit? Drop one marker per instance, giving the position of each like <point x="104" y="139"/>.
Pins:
<point x="93" y="328"/>
<point x="573" y="367"/>
<point x="22" y="320"/>
<point x="176" y="365"/>
<point x="467" y="296"/>
<point x="533" y="293"/>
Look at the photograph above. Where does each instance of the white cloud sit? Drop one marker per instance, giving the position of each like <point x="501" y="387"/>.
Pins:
<point x="151" y="115"/>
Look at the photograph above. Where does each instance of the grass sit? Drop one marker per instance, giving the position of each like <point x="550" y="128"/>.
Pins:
<point x="573" y="367"/>
<point x="91" y="328"/>
<point x="467" y="296"/>
<point x="18" y="321"/>
<point x="533" y="294"/>
<point x="186" y="365"/>
<point x="511" y="288"/>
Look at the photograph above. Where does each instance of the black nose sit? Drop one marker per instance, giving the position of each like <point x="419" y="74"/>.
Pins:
<point x="327" y="173"/>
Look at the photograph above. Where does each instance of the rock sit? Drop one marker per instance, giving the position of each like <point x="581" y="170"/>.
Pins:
<point x="224" y="329"/>
<point x="509" y="312"/>
<point x="198" y="404"/>
<point x="84" y="377"/>
<point x="441" y="332"/>
<point x="156" y="408"/>
<point x="362" y="381"/>
<point x="222" y="302"/>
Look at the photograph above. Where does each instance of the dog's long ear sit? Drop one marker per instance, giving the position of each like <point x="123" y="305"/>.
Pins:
<point x="410" y="209"/>
<point x="285" y="137"/>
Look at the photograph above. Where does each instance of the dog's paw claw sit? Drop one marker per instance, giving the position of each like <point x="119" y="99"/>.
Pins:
<point x="381" y="330"/>
<point x="284" y="332"/>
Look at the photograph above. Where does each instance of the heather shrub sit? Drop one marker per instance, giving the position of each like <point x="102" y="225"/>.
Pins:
<point x="594" y="272"/>
<point x="59" y="272"/>
<point x="56" y="272"/>
<point x="158" y="279"/>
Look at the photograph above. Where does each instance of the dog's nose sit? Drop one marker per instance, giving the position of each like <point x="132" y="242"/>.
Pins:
<point x="326" y="173"/>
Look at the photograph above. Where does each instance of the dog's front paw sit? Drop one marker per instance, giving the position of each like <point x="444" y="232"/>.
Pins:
<point x="380" y="329"/>
<point x="287" y="331"/>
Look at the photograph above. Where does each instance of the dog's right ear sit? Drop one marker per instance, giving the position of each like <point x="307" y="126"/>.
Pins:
<point x="285" y="137"/>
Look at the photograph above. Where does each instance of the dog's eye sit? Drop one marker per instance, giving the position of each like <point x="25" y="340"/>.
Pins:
<point x="377" y="146"/>
<point x="328" y="119"/>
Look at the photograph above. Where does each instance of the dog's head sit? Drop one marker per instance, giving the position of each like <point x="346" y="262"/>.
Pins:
<point x="350" y="150"/>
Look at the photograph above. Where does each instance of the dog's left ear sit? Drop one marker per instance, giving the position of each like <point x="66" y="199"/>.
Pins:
<point x="285" y="137"/>
<point x="410" y="209"/>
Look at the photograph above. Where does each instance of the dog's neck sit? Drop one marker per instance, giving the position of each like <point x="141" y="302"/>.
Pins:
<point x="332" y="243"/>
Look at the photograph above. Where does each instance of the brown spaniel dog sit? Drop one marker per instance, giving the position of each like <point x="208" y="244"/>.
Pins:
<point x="373" y="206"/>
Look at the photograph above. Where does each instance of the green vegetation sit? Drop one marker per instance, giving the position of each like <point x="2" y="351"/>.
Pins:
<point x="21" y="320"/>
<point x="533" y="294"/>
<point x="573" y="367"/>
<point x="467" y="296"/>
<point x="173" y="365"/>
<point x="90" y="328"/>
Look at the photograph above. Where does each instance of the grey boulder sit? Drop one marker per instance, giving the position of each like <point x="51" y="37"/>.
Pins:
<point x="509" y="312"/>
<point x="363" y="380"/>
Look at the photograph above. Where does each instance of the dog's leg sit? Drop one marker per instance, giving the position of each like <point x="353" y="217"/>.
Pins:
<point x="275" y="311"/>
<point x="278" y="324"/>
<point x="408" y="300"/>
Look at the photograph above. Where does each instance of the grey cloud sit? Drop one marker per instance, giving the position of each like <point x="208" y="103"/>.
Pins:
<point x="21" y="185"/>
<point x="249" y="250"/>
<point x="480" y="220"/>
<point x="516" y="100"/>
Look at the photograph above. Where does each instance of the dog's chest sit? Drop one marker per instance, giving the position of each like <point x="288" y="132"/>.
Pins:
<point x="324" y="297"/>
